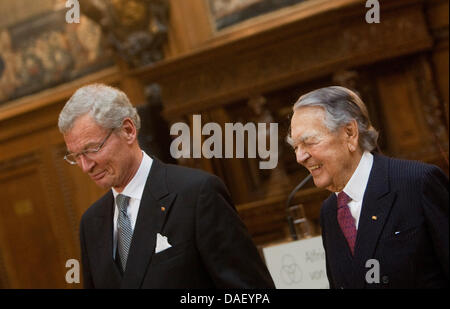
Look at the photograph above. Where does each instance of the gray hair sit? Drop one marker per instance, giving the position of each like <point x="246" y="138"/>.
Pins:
<point x="108" y="106"/>
<point x="341" y="106"/>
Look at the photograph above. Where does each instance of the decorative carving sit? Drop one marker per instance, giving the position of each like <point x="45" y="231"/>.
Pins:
<point x="433" y="111"/>
<point x="136" y="29"/>
<point x="296" y="59"/>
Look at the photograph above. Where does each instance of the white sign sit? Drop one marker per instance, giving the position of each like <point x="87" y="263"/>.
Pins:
<point x="298" y="264"/>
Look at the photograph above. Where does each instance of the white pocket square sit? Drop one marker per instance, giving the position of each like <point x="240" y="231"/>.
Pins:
<point x="161" y="243"/>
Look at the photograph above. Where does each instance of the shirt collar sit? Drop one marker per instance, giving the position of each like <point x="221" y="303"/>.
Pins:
<point x="135" y="187"/>
<point x="357" y="184"/>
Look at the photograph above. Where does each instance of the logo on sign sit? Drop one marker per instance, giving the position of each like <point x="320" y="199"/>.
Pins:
<point x="290" y="271"/>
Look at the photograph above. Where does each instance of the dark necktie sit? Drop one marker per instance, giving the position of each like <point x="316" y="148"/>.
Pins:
<point x="125" y="233"/>
<point x="346" y="220"/>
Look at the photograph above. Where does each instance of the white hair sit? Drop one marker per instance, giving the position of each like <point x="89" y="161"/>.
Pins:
<point x="108" y="106"/>
<point x="341" y="106"/>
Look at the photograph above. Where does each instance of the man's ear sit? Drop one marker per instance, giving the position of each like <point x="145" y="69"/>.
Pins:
<point x="129" y="131"/>
<point x="352" y="134"/>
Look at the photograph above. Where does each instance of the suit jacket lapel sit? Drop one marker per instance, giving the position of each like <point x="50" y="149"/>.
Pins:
<point x="102" y="229"/>
<point x="153" y="211"/>
<point x="376" y="206"/>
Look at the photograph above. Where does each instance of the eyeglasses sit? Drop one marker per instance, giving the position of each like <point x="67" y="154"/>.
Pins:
<point x="72" y="158"/>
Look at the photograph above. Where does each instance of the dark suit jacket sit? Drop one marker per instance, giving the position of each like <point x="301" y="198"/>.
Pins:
<point x="407" y="197"/>
<point x="210" y="245"/>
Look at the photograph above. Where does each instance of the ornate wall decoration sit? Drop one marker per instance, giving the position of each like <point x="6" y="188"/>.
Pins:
<point x="136" y="29"/>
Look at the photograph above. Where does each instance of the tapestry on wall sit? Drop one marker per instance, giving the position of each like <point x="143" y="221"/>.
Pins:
<point x="45" y="51"/>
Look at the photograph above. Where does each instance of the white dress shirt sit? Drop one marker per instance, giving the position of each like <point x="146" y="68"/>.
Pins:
<point x="357" y="184"/>
<point x="134" y="190"/>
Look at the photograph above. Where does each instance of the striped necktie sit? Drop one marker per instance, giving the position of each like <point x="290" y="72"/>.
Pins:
<point x="125" y="233"/>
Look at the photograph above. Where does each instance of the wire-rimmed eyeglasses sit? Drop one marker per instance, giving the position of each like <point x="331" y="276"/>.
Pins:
<point x="72" y="158"/>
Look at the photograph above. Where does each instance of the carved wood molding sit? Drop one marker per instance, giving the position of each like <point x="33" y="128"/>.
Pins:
<point x="136" y="30"/>
<point x="287" y="55"/>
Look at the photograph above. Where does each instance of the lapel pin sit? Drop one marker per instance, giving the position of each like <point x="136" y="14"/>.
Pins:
<point x="374" y="218"/>
<point x="163" y="208"/>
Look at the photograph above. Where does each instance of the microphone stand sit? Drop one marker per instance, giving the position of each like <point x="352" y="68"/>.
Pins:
<point x="290" y="197"/>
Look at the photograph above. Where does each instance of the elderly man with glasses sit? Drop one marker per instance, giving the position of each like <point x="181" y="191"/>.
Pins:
<point x="160" y="225"/>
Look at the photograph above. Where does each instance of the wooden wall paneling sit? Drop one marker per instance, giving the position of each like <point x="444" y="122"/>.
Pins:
<point x="189" y="26"/>
<point x="228" y="169"/>
<point x="4" y="281"/>
<point x="61" y="214"/>
<point x="212" y="165"/>
<point x="438" y="20"/>
<point x="61" y="217"/>
<point x="6" y="166"/>
<point x="406" y="108"/>
<point x="67" y="200"/>
<point x="30" y="245"/>
<point x="433" y="111"/>
<point x="440" y="60"/>
<point x="134" y="90"/>
<point x="234" y="170"/>
<point x="43" y="197"/>
<point x="403" y="127"/>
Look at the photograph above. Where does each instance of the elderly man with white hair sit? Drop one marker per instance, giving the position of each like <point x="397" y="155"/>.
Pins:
<point x="386" y="223"/>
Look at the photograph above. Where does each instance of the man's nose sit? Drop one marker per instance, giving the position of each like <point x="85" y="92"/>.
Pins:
<point x="301" y="155"/>
<point x="85" y="163"/>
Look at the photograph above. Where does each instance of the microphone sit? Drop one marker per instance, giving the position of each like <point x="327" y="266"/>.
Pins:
<point x="290" y="197"/>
